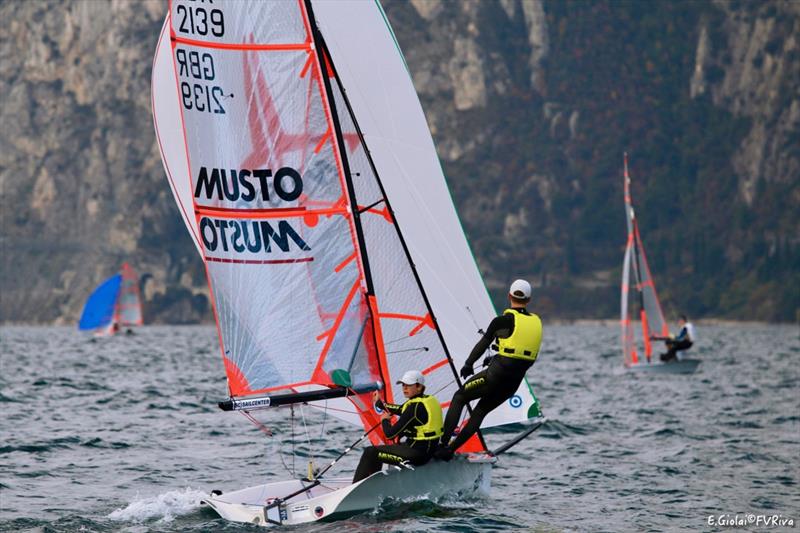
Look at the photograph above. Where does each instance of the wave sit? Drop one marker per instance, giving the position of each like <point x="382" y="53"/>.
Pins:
<point x="8" y="399"/>
<point x="41" y="446"/>
<point x="97" y="442"/>
<point x="163" y="507"/>
<point x="554" y="429"/>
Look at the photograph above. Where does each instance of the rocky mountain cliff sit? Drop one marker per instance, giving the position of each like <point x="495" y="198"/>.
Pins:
<point x="531" y="105"/>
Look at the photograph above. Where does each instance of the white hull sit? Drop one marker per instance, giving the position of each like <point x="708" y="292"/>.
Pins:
<point x="337" y="498"/>
<point x="685" y="366"/>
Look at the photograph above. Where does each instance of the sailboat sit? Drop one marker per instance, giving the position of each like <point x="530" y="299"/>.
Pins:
<point x="301" y="162"/>
<point x="637" y="280"/>
<point x="113" y="305"/>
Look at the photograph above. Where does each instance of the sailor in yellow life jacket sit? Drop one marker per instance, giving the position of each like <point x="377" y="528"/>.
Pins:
<point x="420" y="425"/>
<point x="517" y="335"/>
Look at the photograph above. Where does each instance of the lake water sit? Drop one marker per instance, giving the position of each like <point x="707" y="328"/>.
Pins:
<point x="123" y="434"/>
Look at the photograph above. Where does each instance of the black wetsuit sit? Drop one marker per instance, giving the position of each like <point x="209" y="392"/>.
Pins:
<point x="416" y="452"/>
<point x="493" y="386"/>
<point x="679" y="343"/>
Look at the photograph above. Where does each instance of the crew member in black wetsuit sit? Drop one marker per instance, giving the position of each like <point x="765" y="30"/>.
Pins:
<point x="683" y="341"/>
<point x="420" y="423"/>
<point x="517" y="334"/>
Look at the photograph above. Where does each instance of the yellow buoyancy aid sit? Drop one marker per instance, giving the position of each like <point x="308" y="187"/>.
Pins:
<point x="434" y="427"/>
<point x="524" y="342"/>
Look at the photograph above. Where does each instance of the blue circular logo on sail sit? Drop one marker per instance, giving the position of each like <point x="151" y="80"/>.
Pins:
<point x="515" y="401"/>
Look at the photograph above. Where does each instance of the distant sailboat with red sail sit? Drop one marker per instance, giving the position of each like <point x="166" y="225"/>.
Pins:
<point x="638" y="281"/>
<point x="113" y="305"/>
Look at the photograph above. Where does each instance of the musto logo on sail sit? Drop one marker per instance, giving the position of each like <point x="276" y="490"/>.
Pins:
<point x="258" y="189"/>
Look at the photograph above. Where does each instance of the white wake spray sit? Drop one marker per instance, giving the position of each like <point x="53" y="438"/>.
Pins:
<point x="164" y="507"/>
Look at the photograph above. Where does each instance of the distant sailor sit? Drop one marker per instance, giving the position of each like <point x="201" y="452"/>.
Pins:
<point x="683" y="341"/>
<point x="420" y="424"/>
<point x="516" y="335"/>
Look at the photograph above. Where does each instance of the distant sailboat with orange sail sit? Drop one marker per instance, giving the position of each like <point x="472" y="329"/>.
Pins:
<point x="637" y="280"/>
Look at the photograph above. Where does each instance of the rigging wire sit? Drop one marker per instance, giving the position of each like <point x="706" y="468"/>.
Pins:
<point x="335" y="409"/>
<point x="282" y="457"/>
<point x="292" y="419"/>
<point x="308" y="435"/>
<point x="417" y="349"/>
<point x="324" y="419"/>
<point x="443" y="387"/>
<point x="274" y="442"/>
<point x="480" y="329"/>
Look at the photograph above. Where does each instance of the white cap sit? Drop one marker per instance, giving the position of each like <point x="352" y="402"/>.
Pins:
<point x="412" y="377"/>
<point x="520" y="289"/>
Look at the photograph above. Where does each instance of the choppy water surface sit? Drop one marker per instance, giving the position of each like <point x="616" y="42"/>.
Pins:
<point x="124" y="434"/>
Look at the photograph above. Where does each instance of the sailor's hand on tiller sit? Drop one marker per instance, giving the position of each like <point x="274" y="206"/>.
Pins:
<point x="466" y="371"/>
<point x="386" y="415"/>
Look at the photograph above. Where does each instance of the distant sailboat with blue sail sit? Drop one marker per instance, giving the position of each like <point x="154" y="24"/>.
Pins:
<point x="114" y="304"/>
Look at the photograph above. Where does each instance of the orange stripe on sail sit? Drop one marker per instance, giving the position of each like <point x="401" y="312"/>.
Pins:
<point x="331" y="333"/>
<point x="427" y="321"/>
<point x="322" y="141"/>
<point x="381" y="349"/>
<point x="254" y="214"/>
<point x="344" y="263"/>
<point x="309" y="62"/>
<point x="648" y="348"/>
<point x="423" y="321"/>
<point x="434" y="367"/>
<point x="277" y="47"/>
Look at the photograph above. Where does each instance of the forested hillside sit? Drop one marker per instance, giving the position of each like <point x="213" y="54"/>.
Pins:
<point x="531" y="105"/>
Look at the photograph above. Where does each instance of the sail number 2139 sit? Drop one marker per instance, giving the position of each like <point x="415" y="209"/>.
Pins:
<point x="200" y="21"/>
